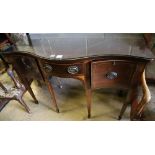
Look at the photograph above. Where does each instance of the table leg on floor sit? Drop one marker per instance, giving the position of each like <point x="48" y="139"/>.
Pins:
<point x="51" y="90"/>
<point x="88" y="92"/>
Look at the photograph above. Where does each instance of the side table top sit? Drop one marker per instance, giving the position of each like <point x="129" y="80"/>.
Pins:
<point x="66" y="46"/>
<point x="75" y="45"/>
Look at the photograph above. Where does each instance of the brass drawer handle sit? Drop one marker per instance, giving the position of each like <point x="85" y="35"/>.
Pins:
<point x="48" y="68"/>
<point x="112" y="75"/>
<point x="73" y="69"/>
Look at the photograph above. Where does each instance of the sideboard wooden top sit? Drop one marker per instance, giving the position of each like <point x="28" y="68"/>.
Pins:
<point x="75" y="45"/>
<point x="66" y="46"/>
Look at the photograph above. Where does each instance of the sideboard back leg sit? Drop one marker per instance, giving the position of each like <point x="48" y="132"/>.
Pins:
<point x="28" y="87"/>
<point x="123" y="109"/>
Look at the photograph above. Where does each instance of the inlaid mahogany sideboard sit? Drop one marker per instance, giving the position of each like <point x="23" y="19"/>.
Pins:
<point x="98" y="60"/>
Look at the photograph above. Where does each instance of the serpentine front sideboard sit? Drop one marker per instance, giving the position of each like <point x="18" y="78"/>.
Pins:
<point x="99" y="61"/>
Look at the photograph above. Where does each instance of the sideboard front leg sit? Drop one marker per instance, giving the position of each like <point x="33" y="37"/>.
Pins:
<point x="137" y="113"/>
<point x="88" y="96"/>
<point x="51" y="90"/>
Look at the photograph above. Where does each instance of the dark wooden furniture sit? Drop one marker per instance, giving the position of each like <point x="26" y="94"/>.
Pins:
<point x="14" y="93"/>
<point x="26" y="68"/>
<point x="99" y="61"/>
<point x="6" y="44"/>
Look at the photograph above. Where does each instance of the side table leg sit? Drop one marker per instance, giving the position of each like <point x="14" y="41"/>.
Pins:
<point x="28" y="87"/>
<point x="51" y="90"/>
<point x="88" y="96"/>
<point x="122" y="110"/>
<point x="137" y="113"/>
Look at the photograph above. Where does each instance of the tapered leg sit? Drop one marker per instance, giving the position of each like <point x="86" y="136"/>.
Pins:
<point x="123" y="110"/>
<point x="134" y="105"/>
<point x="32" y="94"/>
<point x="28" y="87"/>
<point x="51" y="90"/>
<point x="21" y="101"/>
<point x="88" y="96"/>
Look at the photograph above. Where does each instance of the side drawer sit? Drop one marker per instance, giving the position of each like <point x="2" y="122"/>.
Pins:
<point x="111" y="73"/>
<point x="63" y="69"/>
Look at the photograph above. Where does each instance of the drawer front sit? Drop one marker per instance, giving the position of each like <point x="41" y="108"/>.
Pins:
<point x="63" y="69"/>
<point x="106" y="74"/>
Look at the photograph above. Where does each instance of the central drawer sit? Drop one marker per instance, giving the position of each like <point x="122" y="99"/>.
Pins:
<point x="111" y="73"/>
